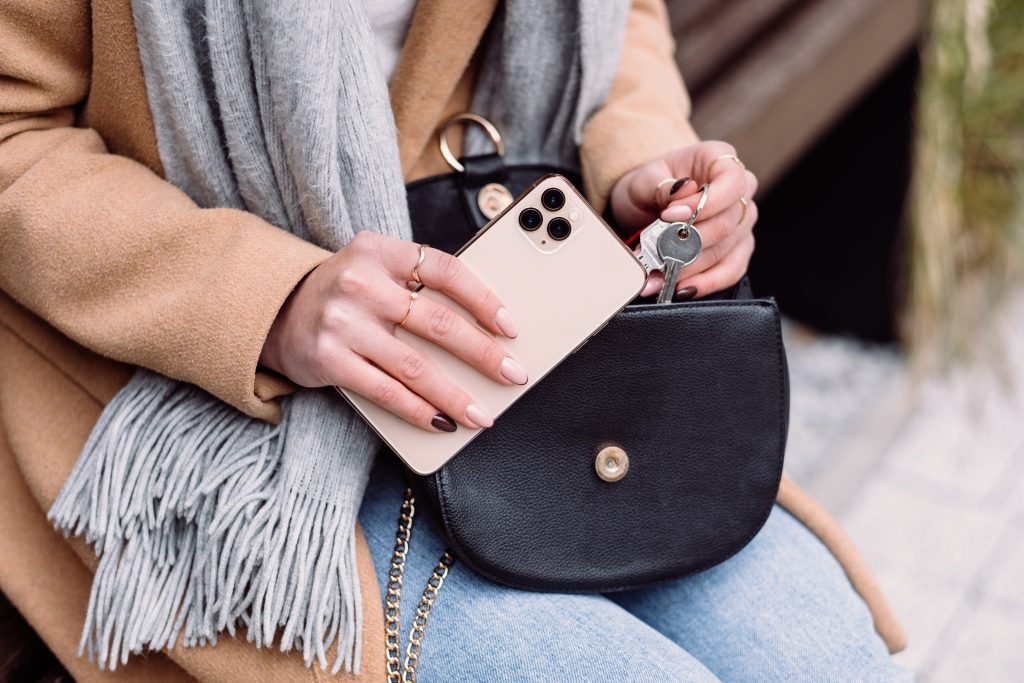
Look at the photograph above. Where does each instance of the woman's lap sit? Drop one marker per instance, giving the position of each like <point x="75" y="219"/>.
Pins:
<point x="780" y="610"/>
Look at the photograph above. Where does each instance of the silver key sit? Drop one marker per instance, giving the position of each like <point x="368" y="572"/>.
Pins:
<point x="677" y="248"/>
<point x="649" y="256"/>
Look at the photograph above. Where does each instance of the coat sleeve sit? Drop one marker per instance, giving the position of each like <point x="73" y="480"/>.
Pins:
<point x="108" y="252"/>
<point x="647" y="112"/>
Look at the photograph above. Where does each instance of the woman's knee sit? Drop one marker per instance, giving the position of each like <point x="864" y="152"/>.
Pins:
<point x="781" y="609"/>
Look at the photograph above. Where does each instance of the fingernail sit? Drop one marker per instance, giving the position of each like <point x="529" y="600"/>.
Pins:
<point x="686" y="293"/>
<point x="444" y="423"/>
<point x="504" y="322"/>
<point x="513" y="371"/>
<point x="677" y="213"/>
<point x="678" y="185"/>
<point x="477" y="416"/>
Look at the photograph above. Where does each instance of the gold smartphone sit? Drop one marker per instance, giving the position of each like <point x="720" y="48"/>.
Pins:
<point x="561" y="272"/>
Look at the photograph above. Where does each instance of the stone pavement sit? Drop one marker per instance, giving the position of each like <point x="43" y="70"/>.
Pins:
<point x="928" y="479"/>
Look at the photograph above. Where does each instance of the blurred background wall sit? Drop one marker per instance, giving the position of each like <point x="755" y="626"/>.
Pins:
<point x="889" y="139"/>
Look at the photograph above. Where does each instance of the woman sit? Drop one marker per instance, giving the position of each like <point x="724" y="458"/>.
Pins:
<point x="122" y="129"/>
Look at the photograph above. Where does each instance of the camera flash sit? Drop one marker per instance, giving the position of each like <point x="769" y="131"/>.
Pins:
<point x="574" y="214"/>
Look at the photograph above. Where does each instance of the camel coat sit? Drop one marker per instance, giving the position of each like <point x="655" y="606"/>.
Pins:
<point x="105" y="266"/>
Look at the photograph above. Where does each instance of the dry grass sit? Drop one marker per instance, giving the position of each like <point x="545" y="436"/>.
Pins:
<point x="966" y="214"/>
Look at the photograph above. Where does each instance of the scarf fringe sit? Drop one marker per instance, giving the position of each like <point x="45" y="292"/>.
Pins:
<point x="199" y="531"/>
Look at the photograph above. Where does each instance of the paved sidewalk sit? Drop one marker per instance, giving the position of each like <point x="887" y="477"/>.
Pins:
<point x="929" y="481"/>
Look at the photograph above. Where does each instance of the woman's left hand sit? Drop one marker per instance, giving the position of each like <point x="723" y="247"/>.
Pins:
<point x="726" y="227"/>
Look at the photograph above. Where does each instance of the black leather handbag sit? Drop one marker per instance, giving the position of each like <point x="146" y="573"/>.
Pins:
<point x="652" y="453"/>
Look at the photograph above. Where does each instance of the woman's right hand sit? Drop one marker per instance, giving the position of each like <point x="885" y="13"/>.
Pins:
<point x="337" y="328"/>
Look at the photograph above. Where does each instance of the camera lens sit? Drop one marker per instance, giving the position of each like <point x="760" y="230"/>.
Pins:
<point x="559" y="228"/>
<point x="552" y="199"/>
<point x="530" y="219"/>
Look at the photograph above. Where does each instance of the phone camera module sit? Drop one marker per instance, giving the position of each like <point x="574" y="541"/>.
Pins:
<point x="559" y="228"/>
<point x="552" y="199"/>
<point x="530" y="219"/>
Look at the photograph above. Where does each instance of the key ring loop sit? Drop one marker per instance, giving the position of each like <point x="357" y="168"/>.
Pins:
<point x="489" y="128"/>
<point x="705" y="190"/>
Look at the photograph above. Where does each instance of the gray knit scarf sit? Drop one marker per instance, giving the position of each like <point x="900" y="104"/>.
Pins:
<point x="204" y="519"/>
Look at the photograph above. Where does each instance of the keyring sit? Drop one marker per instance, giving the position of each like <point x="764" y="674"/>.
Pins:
<point x="489" y="128"/>
<point x="705" y="190"/>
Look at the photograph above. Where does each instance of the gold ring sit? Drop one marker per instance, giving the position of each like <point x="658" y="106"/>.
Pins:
<point x="412" y="302"/>
<point x="743" y="216"/>
<point x="489" y="128"/>
<point x="419" y="262"/>
<point x="728" y="156"/>
<point x="657" y="188"/>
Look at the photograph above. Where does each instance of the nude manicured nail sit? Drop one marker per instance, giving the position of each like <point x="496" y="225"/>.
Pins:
<point x="504" y="322"/>
<point x="478" y="416"/>
<point x="443" y="423"/>
<point x="513" y="371"/>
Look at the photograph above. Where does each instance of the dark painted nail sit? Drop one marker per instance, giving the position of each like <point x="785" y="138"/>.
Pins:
<point x="678" y="185"/>
<point x="443" y="422"/>
<point x="686" y="293"/>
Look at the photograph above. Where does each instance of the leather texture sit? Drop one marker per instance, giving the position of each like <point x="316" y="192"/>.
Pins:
<point x="444" y="208"/>
<point x="695" y="393"/>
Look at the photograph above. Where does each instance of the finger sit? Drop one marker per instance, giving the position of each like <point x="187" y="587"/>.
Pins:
<point x="447" y="274"/>
<point x="723" y="191"/>
<point x="654" y="282"/>
<point x="422" y="377"/>
<point x="752" y="184"/>
<point x="680" y="207"/>
<point x="440" y="324"/>
<point x="727" y="272"/>
<point x="372" y="383"/>
<point x="645" y="187"/>
<point x="726" y="224"/>
<point x="726" y="178"/>
<point x="712" y="253"/>
<point x="670" y="188"/>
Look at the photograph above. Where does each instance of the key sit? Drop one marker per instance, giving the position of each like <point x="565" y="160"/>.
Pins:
<point x="649" y="245"/>
<point x="678" y="247"/>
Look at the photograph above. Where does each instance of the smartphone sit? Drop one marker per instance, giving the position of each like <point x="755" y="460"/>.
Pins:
<point x="561" y="271"/>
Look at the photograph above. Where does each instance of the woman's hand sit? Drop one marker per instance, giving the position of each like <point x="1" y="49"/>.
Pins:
<point x="726" y="229"/>
<point x="337" y="328"/>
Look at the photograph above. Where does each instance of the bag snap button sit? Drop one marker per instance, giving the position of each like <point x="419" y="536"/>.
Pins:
<point x="493" y="199"/>
<point x="611" y="463"/>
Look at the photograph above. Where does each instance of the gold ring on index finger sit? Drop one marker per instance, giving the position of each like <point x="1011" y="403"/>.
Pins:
<point x="412" y="302"/>
<point x="745" y="206"/>
<point x="733" y="157"/>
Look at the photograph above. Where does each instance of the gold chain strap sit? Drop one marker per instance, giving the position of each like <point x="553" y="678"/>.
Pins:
<point x="397" y="672"/>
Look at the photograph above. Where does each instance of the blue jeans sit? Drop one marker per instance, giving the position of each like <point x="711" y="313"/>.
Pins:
<point x="780" y="610"/>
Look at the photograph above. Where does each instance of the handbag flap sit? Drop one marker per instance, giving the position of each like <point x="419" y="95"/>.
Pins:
<point x="695" y="393"/>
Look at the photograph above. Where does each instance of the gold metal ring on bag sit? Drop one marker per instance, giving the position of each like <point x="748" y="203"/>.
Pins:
<point x="489" y="128"/>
